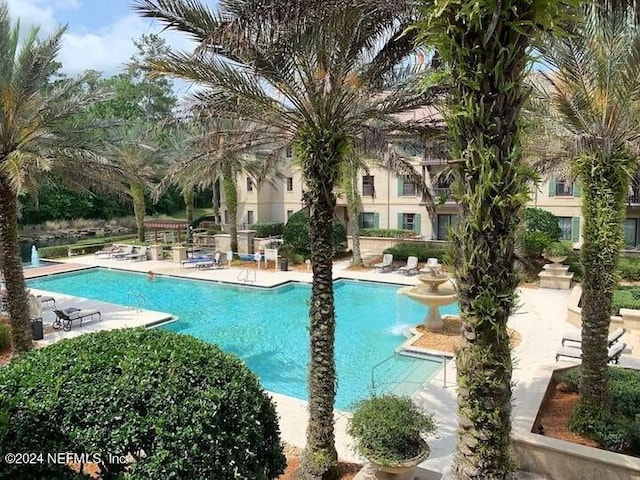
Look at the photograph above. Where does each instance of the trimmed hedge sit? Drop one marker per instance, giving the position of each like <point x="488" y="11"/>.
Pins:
<point x="195" y="411"/>
<point x="619" y="428"/>
<point x="629" y="268"/>
<point x="542" y="221"/>
<point x="296" y="233"/>
<point x="625" y="297"/>
<point x="403" y="251"/>
<point x="270" y="229"/>
<point x="387" y="233"/>
<point x="5" y="336"/>
<point x="88" y="246"/>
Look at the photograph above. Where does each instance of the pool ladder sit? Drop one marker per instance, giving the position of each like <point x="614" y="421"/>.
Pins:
<point x="246" y="274"/>
<point x="139" y="297"/>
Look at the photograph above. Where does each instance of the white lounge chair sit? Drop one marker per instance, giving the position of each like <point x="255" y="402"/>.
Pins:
<point x="613" y="354"/>
<point x="387" y="262"/>
<point x="139" y="255"/>
<point x="122" y="254"/>
<point x="410" y="267"/>
<point x="611" y="339"/>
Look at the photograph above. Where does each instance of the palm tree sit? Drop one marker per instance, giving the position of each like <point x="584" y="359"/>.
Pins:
<point x="593" y="92"/>
<point x="134" y="148"/>
<point x="316" y="73"/>
<point x="485" y="46"/>
<point x="40" y="138"/>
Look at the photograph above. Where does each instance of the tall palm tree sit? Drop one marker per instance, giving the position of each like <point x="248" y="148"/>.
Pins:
<point x="485" y="45"/>
<point x="134" y="148"/>
<point x="316" y="71"/>
<point x="40" y="137"/>
<point x="593" y="91"/>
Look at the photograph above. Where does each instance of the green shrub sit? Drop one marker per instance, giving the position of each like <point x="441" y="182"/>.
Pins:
<point x="625" y="390"/>
<point x="386" y="233"/>
<point x="271" y="229"/>
<point x="563" y="248"/>
<point x="625" y="298"/>
<point x="575" y="265"/>
<point x="402" y="251"/>
<point x="542" y="221"/>
<point x="535" y="243"/>
<point x="634" y="434"/>
<point x="296" y="233"/>
<point x="629" y="268"/>
<point x="104" y="240"/>
<point x="195" y="411"/>
<point x="389" y="429"/>
<point x="571" y="379"/>
<point x="5" y="336"/>
<point x="55" y="251"/>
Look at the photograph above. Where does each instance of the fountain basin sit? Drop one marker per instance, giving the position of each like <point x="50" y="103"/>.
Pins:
<point x="433" y="300"/>
<point x="433" y="281"/>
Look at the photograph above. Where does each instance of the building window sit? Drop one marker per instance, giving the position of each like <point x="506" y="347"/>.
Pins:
<point x="564" y="188"/>
<point x="226" y="216"/>
<point x="249" y="185"/>
<point x="289" y="152"/>
<point x="249" y="217"/>
<point x="408" y="187"/>
<point x="565" y="227"/>
<point x="289" y="213"/>
<point x="289" y="184"/>
<point x="367" y="220"/>
<point x="408" y="221"/>
<point x="367" y="185"/>
<point x="443" y="224"/>
<point x="631" y="232"/>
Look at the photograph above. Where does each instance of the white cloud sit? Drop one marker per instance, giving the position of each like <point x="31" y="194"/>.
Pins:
<point x="109" y="49"/>
<point x="33" y="12"/>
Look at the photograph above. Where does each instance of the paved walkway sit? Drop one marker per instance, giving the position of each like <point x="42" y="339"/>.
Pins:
<point x="540" y="320"/>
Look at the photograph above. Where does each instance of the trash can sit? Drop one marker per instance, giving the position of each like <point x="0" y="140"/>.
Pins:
<point x="36" y="328"/>
<point x="284" y="264"/>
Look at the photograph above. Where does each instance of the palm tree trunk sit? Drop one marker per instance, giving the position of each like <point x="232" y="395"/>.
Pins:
<point x="231" y="196"/>
<point x="21" y="335"/>
<point x="353" y="207"/>
<point x="605" y="188"/>
<point x="319" y="460"/>
<point x="137" y="194"/>
<point x="188" y="198"/>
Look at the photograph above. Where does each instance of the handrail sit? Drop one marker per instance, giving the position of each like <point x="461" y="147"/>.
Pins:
<point x="247" y="273"/>
<point x="373" y="382"/>
<point x="139" y="296"/>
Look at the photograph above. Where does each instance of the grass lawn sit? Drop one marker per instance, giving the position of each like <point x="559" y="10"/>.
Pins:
<point x="197" y="213"/>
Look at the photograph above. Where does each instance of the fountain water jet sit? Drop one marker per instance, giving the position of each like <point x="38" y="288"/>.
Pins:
<point x="429" y="294"/>
<point x="35" y="257"/>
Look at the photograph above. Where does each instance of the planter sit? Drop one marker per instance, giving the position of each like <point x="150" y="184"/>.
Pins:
<point x="401" y="470"/>
<point x="556" y="259"/>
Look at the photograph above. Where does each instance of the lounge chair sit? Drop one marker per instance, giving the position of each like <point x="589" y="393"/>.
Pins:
<point x="410" y="267"/>
<point x="613" y="353"/>
<point x="387" y="262"/>
<point x="44" y="300"/>
<point x="122" y="254"/>
<point x="108" y="251"/>
<point x="194" y="261"/>
<point x="433" y="265"/>
<point x="611" y="339"/>
<point x="65" y="317"/>
<point x="139" y="255"/>
<point x="214" y="262"/>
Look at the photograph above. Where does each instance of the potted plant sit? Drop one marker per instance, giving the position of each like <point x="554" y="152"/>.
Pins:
<point x="389" y="431"/>
<point x="558" y="252"/>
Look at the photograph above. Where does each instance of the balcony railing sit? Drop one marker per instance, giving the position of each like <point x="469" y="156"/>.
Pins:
<point x="440" y="193"/>
<point x="634" y="199"/>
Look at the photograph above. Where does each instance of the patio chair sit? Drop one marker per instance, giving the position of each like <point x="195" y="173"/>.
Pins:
<point x="43" y="299"/>
<point x="611" y="339"/>
<point x="65" y="317"/>
<point x="194" y="261"/>
<point x="122" y="254"/>
<point x="410" y="267"/>
<point x="613" y="353"/>
<point x="139" y="255"/>
<point x="108" y="251"/>
<point x="387" y="262"/>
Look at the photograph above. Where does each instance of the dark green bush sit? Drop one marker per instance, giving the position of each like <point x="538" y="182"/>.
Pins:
<point x="389" y="429"/>
<point x="5" y="336"/>
<point x="296" y="233"/>
<point x="402" y="251"/>
<point x="193" y="410"/>
<point x="271" y="229"/>
<point x="571" y="379"/>
<point x="55" y="251"/>
<point x="625" y="297"/>
<point x="542" y="221"/>
<point x="629" y="268"/>
<point x="535" y="243"/>
<point x="575" y="265"/>
<point x="625" y="390"/>
<point x="87" y="246"/>
<point x="387" y="233"/>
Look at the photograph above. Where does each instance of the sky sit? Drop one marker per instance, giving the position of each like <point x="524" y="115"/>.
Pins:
<point x="99" y="32"/>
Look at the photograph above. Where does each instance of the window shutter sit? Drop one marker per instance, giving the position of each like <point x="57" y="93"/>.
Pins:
<point x="376" y="220"/>
<point x="399" y="221"/>
<point x="416" y="223"/>
<point x="577" y="190"/>
<point x="400" y="186"/>
<point x="575" y="229"/>
<point x="434" y="226"/>
<point x="552" y="186"/>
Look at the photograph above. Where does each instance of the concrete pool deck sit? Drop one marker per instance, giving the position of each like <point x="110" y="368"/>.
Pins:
<point x="540" y="320"/>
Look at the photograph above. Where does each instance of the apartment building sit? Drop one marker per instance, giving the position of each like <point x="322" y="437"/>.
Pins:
<point x="389" y="201"/>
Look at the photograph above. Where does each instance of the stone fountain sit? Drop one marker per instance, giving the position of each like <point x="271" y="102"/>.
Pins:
<point x="431" y="294"/>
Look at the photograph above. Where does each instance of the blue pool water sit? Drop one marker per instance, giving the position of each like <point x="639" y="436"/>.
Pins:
<point x="267" y="328"/>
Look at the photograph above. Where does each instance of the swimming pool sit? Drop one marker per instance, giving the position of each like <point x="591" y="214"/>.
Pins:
<point x="267" y="328"/>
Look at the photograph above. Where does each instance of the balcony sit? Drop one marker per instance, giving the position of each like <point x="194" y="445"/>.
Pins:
<point x="434" y="155"/>
<point x="634" y="198"/>
<point x="442" y="195"/>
